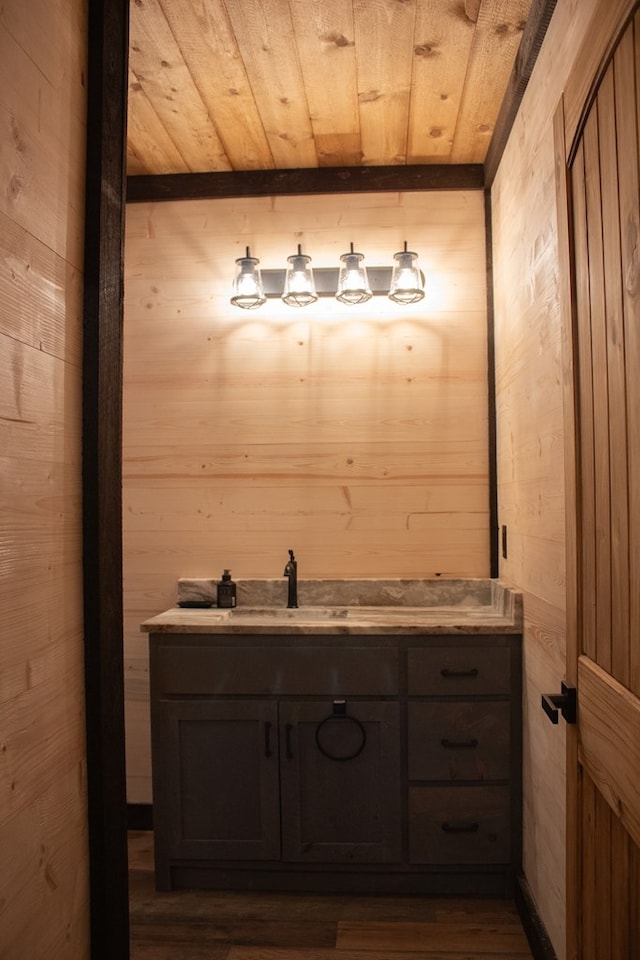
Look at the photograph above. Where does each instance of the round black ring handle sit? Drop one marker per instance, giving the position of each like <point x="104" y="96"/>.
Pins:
<point x="340" y="718"/>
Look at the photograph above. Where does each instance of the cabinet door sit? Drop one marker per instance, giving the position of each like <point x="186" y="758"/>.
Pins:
<point x="216" y="780"/>
<point x="348" y="809"/>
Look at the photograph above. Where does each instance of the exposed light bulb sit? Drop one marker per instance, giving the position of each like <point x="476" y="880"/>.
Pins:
<point x="248" y="292"/>
<point x="407" y="282"/>
<point x="353" y="283"/>
<point x="299" y="285"/>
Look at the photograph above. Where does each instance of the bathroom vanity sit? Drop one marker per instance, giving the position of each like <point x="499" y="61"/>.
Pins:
<point x="343" y="746"/>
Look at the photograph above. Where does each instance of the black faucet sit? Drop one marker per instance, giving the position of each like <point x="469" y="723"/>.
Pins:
<point x="291" y="571"/>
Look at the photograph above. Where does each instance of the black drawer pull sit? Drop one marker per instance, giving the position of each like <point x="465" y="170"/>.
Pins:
<point x="459" y="744"/>
<point x="460" y="827"/>
<point x="267" y="739"/>
<point x="445" y="672"/>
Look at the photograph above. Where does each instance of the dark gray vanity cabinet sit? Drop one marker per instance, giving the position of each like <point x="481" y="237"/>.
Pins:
<point x="282" y="758"/>
<point x="389" y="763"/>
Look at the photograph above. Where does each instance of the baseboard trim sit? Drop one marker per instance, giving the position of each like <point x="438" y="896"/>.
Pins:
<point x="139" y="816"/>
<point x="541" y="946"/>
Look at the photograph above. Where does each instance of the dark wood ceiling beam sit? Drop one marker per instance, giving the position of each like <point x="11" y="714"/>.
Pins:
<point x="260" y="183"/>
<point x="534" y="33"/>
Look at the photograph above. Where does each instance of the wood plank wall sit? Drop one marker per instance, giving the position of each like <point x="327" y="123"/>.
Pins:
<point x="43" y="841"/>
<point x="530" y="442"/>
<point x="355" y="435"/>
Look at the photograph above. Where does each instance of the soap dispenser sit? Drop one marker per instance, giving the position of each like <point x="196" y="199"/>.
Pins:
<point x="226" y="591"/>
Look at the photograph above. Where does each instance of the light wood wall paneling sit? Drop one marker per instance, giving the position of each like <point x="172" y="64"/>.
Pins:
<point x="530" y="441"/>
<point x="41" y="292"/>
<point x="43" y="193"/>
<point x="357" y="437"/>
<point x="44" y="881"/>
<point x="45" y="867"/>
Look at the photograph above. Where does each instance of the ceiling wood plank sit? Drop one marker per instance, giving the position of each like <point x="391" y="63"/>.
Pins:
<point x="265" y="37"/>
<point x="443" y="38"/>
<point x="159" y="67"/>
<point x="207" y="43"/>
<point x="307" y="83"/>
<point x="495" y="44"/>
<point x="324" y="32"/>
<point x="259" y="183"/>
<point x="148" y="142"/>
<point x="384" y="36"/>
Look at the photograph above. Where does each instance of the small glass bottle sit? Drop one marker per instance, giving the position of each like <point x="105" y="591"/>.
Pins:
<point x="226" y="590"/>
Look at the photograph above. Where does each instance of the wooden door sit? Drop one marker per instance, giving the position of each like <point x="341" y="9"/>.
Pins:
<point x="598" y="161"/>
<point x="341" y="782"/>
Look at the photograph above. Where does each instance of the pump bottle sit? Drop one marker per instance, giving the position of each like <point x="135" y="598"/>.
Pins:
<point x="226" y="591"/>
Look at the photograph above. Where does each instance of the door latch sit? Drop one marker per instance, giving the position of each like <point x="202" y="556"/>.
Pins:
<point x="566" y="702"/>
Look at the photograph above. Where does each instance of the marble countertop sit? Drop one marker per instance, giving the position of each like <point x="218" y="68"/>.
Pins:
<point x="361" y="608"/>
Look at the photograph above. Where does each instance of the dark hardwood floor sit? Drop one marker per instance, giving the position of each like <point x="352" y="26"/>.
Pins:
<point x="214" y="925"/>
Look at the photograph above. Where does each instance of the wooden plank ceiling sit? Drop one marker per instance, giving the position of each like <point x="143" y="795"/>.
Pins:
<point x="221" y="85"/>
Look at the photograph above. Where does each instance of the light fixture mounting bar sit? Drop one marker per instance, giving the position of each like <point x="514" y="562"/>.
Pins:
<point x="326" y="279"/>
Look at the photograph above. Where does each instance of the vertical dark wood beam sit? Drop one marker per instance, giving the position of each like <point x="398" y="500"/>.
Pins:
<point x="102" y="457"/>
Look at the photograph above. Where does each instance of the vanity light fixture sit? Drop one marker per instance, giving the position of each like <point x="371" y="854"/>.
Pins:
<point x="351" y="283"/>
<point x="248" y="291"/>
<point x="299" y="286"/>
<point x="407" y="282"/>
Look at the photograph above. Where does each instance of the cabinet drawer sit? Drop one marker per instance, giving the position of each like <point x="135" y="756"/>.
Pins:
<point x="458" y="671"/>
<point x="459" y="741"/>
<point x="459" y="825"/>
<point x="328" y="671"/>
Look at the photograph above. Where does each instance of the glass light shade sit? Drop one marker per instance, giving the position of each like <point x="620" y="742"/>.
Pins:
<point x="407" y="284"/>
<point x="248" y="291"/>
<point x="299" y="285"/>
<point x="353" y="283"/>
